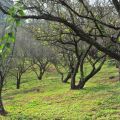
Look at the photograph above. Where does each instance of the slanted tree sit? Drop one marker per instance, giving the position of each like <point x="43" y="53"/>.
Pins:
<point x="7" y="42"/>
<point x="70" y="60"/>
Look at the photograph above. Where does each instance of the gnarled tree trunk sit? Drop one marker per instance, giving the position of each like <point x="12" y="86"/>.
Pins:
<point x="94" y="71"/>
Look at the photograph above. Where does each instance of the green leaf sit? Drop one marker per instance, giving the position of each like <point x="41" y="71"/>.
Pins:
<point x="11" y="11"/>
<point x="1" y="46"/>
<point x="17" y="22"/>
<point x="5" y="36"/>
<point x="7" y="45"/>
<point x="10" y="34"/>
<point x="21" y="12"/>
<point x="0" y="51"/>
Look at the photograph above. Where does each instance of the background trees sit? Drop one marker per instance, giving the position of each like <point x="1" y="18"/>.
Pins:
<point x="19" y="65"/>
<point x="20" y="61"/>
<point x="74" y="52"/>
<point x="71" y="34"/>
<point x="41" y="56"/>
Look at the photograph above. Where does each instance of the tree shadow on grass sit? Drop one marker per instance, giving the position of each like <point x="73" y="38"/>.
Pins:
<point x="12" y="94"/>
<point x="98" y="88"/>
<point x="21" y="116"/>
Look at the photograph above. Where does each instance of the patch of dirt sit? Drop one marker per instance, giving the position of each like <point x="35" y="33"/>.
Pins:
<point x="112" y="79"/>
<point x="51" y="69"/>
<point x="35" y="89"/>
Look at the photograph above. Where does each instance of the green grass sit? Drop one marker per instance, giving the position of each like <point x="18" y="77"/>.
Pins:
<point x="50" y="99"/>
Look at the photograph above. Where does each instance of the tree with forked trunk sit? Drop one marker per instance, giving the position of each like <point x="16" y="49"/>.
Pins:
<point x="41" y="56"/>
<point x="20" y="62"/>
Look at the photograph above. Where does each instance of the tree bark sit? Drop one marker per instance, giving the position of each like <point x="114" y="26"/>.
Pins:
<point x="119" y="70"/>
<point x="83" y="81"/>
<point x="81" y="84"/>
<point x="2" y="110"/>
<point x="40" y="77"/>
<point x="67" y="78"/>
<point x="73" y="76"/>
<point x="18" y="82"/>
<point x="117" y="5"/>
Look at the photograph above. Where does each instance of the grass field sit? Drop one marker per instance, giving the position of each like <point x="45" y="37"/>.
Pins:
<point x="50" y="99"/>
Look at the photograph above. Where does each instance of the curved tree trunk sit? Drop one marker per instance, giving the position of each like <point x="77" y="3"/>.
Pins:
<point x="68" y="75"/>
<point x="84" y="80"/>
<point x="2" y="110"/>
<point x="81" y="84"/>
<point x="73" y="76"/>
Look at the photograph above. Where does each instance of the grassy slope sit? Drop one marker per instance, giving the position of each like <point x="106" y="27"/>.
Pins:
<point x="50" y="99"/>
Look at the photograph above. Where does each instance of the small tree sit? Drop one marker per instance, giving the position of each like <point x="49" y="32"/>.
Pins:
<point x="64" y="63"/>
<point x="41" y="56"/>
<point x="20" y="62"/>
<point x="19" y="65"/>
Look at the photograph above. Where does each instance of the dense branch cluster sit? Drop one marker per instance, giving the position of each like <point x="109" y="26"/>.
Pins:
<point x="69" y="34"/>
